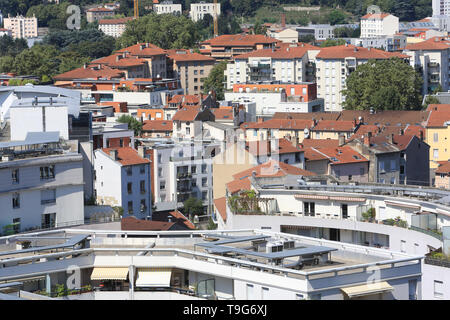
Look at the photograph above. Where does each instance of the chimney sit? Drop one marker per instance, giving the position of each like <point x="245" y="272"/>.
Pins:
<point x="113" y="155"/>
<point x="341" y="140"/>
<point x="141" y="151"/>
<point x="283" y="20"/>
<point x="367" y="141"/>
<point x="391" y="138"/>
<point x="402" y="132"/>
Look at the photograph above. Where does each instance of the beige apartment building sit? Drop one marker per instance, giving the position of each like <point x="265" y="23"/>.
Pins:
<point x="96" y="14"/>
<point x="156" y="58"/>
<point x="379" y="24"/>
<point x="335" y="64"/>
<point x="191" y="68"/>
<point x="286" y="35"/>
<point x="22" y="27"/>
<point x="199" y="10"/>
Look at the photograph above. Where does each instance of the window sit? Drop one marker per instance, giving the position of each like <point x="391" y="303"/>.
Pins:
<point x="250" y="295"/>
<point x="142" y="185"/>
<point x="435" y="153"/>
<point x="299" y="296"/>
<point x="15" y="175"/>
<point x="130" y="207"/>
<point x="204" y="182"/>
<point x="403" y="246"/>
<point x="361" y="171"/>
<point x="344" y="208"/>
<point x="381" y="166"/>
<point x="16" y="200"/>
<point x="193" y="169"/>
<point x="162" y="185"/>
<point x="142" y="169"/>
<point x="130" y="188"/>
<point x="205" y="195"/>
<point x="203" y="168"/>
<point x="48" y="220"/>
<point x="16" y="223"/>
<point x="393" y="165"/>
<point x="129" y="170"/>
<point x="438" y="289"/>
<point x="47" y="172"/>
<point x="48" y="196"/>
<point x="264" y="293"/>
<point x="143" y="205"/>
<point x="309" y="208"/>
<point x="435" y="137"/>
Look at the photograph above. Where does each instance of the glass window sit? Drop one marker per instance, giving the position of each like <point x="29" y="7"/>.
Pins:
<point x="438" y="289"/>
<point x="130" y="207"/>
<point x="16" y="200"/>
<point x="15" y="175"/>
<point x="142" y="185"/>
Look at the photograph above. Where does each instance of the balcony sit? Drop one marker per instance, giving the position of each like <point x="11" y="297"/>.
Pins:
<point x="184" y="176"/>
<point x="433" y="65"/>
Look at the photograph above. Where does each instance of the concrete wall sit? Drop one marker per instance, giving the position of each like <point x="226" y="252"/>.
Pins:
<point x="431" y="274"/>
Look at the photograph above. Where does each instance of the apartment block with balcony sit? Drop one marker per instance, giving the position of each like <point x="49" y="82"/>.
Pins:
<point x="41" y="184"/>
<point x="167" y="7"/>
<point x="335" y="64"/>
<point x="96" y="14"/>
<point x="374" y="25"/>
<point x="21" y="27"/>
<point x="431" y="59"/>
<point x="113" y="27"/>
<point x="199" y="10"/>
<point x="122" y="179"/>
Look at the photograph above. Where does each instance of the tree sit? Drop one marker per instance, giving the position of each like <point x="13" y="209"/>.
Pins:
<point x="167" y="31"/>
<point x="390" y="84"/>
<point x="39" y="60"/>
<point x="193" y="206"/>
<point x="430" y="100"/>
<point x="332" y="43"/>
<point x="133" y="124"/>
<point x="336" y="17"/>
<point x="215" y="80"/>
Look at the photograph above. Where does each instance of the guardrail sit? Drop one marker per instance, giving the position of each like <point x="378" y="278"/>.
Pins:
<point x="428" y="232"/>
<point x="437" y="262"/>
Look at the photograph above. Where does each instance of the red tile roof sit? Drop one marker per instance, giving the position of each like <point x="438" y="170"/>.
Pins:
<point x="223" y="113"/>
<point x="118" y="60"/>
<point x="312" y="154"/>
<point x="281" y="53"/>
<point x="438" y="118"/>
<point x="236" y="40"/>
<point x="375" y="16"/>
<point x="115" y="21"/>
<point x="185" y="55"/>
<point x="435" y="43"/>
<point x="273" y="168"/>
<point x="188" y="99"/>
<point x="132" y="223"/>
<point x="100" y="10"/>
<point x="143" y="50"/>
<point x="182" y="219"/>
<point x="346" y="51"/>
<point x="297" y="124"/>
<point x="186" y="113"/>
<point x="415" y="131"/>
<point x="319" y="143"/>
<point x="307" y="116"/>
<point x="90" y="73"/>
<point x="444" y="167"/>
<point x="335" y="126"/>
<point x="238" y="185"/>
<point x="127" y="156"/>
<point x="157" y="125"/>
<point x="438" y="107"/>
<point x="221" y="206"/>
<point x="342" y="155"/>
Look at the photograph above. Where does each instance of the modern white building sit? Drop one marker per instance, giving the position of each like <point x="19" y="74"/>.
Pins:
<point x="166" y="7"/>
<point x="441" y="7"/>
<point x="22" y="27"/>
<point x="375" y="25"/>
<point x="218" y="265"/>
<point x="122" y="179"/>
<point x="199" y="10"/>
<point x="113" y="27"/>
<point x="319" y="31"/>
<point x="41" y="185"/>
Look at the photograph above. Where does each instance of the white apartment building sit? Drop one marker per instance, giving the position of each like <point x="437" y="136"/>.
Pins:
<point x="379" y="24"/>
<point x="441" y="7"/>
<point x="431" y="58"/>
<point x="41" y="185"/>
<point x="182" y="170"/>
<point x="21" y="27"/>
<point x="113" y="27"/>
<point x="187" y="265"/>
<point x="319" y="31"/>
<point x="167" y="7"/>
<point x="122" y="179"/>
<point x="199" y="10"/>
<point x="335" y="64"/>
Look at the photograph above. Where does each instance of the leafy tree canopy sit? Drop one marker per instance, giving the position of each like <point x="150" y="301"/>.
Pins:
<point x="388" y="84"/>
<point x="215" y="80"/>
<point x="133" y="124"/>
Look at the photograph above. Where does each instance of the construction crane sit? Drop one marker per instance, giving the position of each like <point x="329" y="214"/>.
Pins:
<point x="216" y="20"/>
<point x="136" y="9"/>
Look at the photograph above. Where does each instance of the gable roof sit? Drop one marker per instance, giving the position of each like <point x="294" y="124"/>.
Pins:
<point x="375" y="16"/>
<point x="181" y="218"/>
<point x="144" y="50"/>
<point x="280" y="53"/>
<point x="444" y="167"/>
<point x="91" y="72"/>
<point x="342" y="155"/>
<point x="132" y="223"/>
<point x="319" y="143"/>
<point x="115" y="21"/>
<point x="307" y="116"/>
<point x="157" y="125"/>
<point x="236" y="40"/>
<point x="335" y="126"/>
<point x="438" y="107"/>
<point x="127" y="156"/>
<point x="221" y="206"/>
<point x="296" y="124"/>
<point x="438" y="119"/>
<point x="187" y="113"/>
<point x="264" y="147"/>
<point x="435" y="43"/>
<point x="273" y="168"/>
<point x="185" y="55"/>
<point x="238" y="185"/>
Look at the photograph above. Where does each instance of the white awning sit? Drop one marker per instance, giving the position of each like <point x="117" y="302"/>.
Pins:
<point x="367" y="289"/>
<point x="109" y="273"/>
<point x="153" y="277"/>
<point x="403" y="205"/>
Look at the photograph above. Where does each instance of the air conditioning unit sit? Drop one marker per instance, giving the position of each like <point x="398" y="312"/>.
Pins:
<point x="290" y="244"/>
<point x="274" y="247"/>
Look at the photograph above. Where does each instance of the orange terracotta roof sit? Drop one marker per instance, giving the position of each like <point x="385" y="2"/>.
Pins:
<point x="143" y="49"/>
<point x="366" y="128"/>
<point x="238" y="185"/>
<point x="438" y="107"/>
<point x="444" y="167"/>
<point x="223" y="113"/>
<point x="375" y="16"/>
<point x="90" y="73"/>
<point x="281" y="53"/>
<point x="119" y="61"/>
<point x="312" y="154"/>
<point x="132" y="223"/>
<point x="100" y="10"/>
<point x="188" y="99"/>
<point x="335" y="126"/>
<point x="438" y="118"/>
<point x="415" y="131"/>
<point x="307" y="116"/>
<point x="435" y="43"/>
<point x="182" y="218"/>
<point x="127" y="156"/>
<point x="346" y="51"/>
<point x="342" y="155"/>
<point x="221" y="206"/>
<point x="177" y="55"/>
<point x="273" y="168"/>
<point x="157" y="125"/>
<point x="115" y="21"/>
<point x="319" y="143"/>
<point x="295" y="124"/>
<point x="186" y="113"/>
<point x="236" y="40"/>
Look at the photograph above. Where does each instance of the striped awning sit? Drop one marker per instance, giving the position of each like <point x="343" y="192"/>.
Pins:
<point x="403" y="205"/>
<point x="311" y="196"/>
<point x="330" y="198"/>
<point x="367" y="289"/>
<point x="153" y="277"/>
<point x="109" y="273"/>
